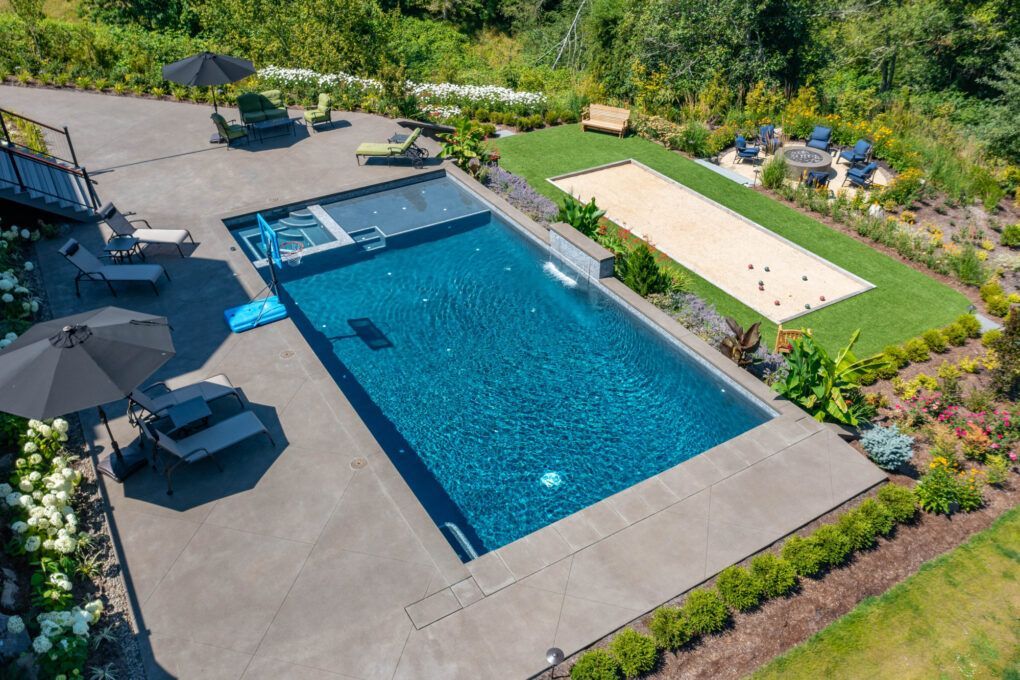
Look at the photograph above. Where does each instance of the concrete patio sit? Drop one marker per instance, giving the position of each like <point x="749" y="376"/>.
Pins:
<point x="314" y="559"/>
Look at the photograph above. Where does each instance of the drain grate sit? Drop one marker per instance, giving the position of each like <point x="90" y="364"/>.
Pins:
<point x="358" y="463"/>
<point x="286" y="354"/>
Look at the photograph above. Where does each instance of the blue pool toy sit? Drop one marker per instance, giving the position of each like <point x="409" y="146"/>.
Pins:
<point x="269" y="309"/>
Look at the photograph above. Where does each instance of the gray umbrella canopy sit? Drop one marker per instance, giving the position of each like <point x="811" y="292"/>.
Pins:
<point x="208" y="69"/>
<point x="80" y="361"/>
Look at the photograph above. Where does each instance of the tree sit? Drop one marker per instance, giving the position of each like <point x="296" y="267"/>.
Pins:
<point x="1006" y="375"/>
<point x="1002" y="129"/>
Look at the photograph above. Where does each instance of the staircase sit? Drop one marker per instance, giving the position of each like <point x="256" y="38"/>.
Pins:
<point x="369" y="239"/>
<point x="44" y="181"/>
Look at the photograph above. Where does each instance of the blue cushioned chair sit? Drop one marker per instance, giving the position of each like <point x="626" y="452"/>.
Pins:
<point x="858" y="154"/>
<point x="745" y="152"/>
<point x="862" y="177"/>
<point x="820" y="138"/>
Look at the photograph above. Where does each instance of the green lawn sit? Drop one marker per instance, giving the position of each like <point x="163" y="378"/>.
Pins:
<point x="903" y="304"/>
<point x="958" y="617"/>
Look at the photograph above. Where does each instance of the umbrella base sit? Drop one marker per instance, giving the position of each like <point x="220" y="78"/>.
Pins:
<point x="120" y="468"/>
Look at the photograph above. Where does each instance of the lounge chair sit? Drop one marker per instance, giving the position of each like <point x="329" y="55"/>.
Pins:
<point x="230" y="132"/>
<point x="321" y="113"/>
<point x="745" y="152"/>
<point x="862" y="177"/>
<point x="386" y="150"/>
<point x="820" y="138"/>
<point x="157" y="398"/>
<point x="817" y="179"/>
<point x="859" y="154"/>
<point x="256" y="107"/>
<point x="206" y="442"/>
<point x="122" y="226"/>
<point x="91" y="269"/>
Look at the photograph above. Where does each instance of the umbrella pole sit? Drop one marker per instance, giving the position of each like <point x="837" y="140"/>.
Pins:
<point x="214" y="107"/>
<point x="119" y="465"/>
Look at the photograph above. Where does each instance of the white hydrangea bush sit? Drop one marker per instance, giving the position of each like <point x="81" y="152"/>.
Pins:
<point x="430" y="94"/>
<point x="62" y="645"/>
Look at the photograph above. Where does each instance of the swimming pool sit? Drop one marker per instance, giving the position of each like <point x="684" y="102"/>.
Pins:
<point x="507" y="392"/>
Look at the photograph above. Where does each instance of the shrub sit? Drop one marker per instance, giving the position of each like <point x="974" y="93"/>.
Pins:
<point x="878" y="516"/>
<point x="804" y="555"/>
<point x="739" y="589"/>
<point x="917" y="350"/>
<point x="635" y="652"/>
<point x="989" y="338"/>
<point x="938" y="489"/>
<point x="970" y="325"/>
<point x="899" y="501"/>
<point x="998" y="305"/>
<point x="858" y="530"/>
<point x="887" y="372"/>
<point x="1011" y="236"/>
<point x="991" y="288"/>
<point x="1006" y="374"/>
<point x="669" y="628"/>
<point x="896" y="356"/>
<point x="581" y="216"/>
<point x="955" y="334"/>
<point x="776" y="577"/>
<point x="642" y="274"/>
<point x="887" y="447"/>
<point x="596" y="664"/>
<point x="834" y="544"/>
<point x="705" y="612"/>
<point x="773" y="173"/>
<point x="935" y="340"/>
<point x="906" y="188"/>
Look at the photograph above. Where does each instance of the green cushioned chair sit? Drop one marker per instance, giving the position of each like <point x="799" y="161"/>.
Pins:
<point x="256" y="107"/>
<point x="229" y="131"/>
<point x="384" y="150"/>
<point x="322" y="113"/>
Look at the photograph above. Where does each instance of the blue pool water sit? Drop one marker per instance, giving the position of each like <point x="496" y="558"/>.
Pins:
<point x="507" y="397"/>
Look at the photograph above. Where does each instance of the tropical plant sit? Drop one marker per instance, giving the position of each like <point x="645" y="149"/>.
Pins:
<point x="822" y="385"/>
<point x="581" y="216"/>
<point x="466" y="146"/>
<point x="742" y="344"/>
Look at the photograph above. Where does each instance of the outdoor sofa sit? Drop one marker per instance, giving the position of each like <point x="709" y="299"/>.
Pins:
<point x="258" y="106"/>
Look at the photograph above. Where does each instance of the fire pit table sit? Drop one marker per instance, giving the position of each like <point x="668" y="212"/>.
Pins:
<point x="801" y="160"/>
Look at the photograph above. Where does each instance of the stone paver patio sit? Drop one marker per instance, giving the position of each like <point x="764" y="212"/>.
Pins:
<point x="293" y="564"/>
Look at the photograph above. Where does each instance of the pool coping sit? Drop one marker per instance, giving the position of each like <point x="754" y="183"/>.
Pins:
<point x="866" y="285"/>
<point x="472" y="584"/>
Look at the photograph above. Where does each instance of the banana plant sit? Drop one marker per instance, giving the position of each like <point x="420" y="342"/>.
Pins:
<point x="821" y="384"/>
<point x="581" y="216"/>
<point x="466" y="146"/>
<point x="741" y="345"/>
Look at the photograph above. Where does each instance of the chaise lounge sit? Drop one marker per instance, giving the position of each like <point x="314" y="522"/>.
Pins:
<point x="387" y="150"/>
<point x="122" y="226"/>
<point x="256" y="107"/>
<point x="156" y="399"/>
<point x="90" y="268"/>
<point x="206" y="442"/>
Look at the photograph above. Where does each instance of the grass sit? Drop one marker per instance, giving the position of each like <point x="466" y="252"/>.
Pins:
<point x="903" y="304"/>
<point x="956" y="618"/>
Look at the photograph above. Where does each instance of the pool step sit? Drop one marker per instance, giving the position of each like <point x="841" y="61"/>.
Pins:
<point x="369" y="239"/>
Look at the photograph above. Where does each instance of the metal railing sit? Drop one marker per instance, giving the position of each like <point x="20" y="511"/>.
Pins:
<point x="61" y="135"/>
<point x="19" y="158"/>
<point x="20" y="153"/>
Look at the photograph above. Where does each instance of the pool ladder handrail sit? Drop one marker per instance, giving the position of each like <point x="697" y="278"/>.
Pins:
<point x="462" y="539"/>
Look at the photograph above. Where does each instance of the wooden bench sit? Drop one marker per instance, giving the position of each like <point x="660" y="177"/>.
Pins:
<point x="607" y="119"/>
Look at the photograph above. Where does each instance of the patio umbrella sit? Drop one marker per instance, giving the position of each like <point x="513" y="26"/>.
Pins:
<point x="83" y="361"/>
<point x="207" y="69"/>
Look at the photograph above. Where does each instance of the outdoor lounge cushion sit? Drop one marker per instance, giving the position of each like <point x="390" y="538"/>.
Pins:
<point x="255" y="107"/>
<point x="222" y="435"/>
<point x="122" y="226"/>
<point x="210" y="389"/>
<point x="384" y="149"/>
<point x="90" y="265"/>
<point x="322" y="113"/>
